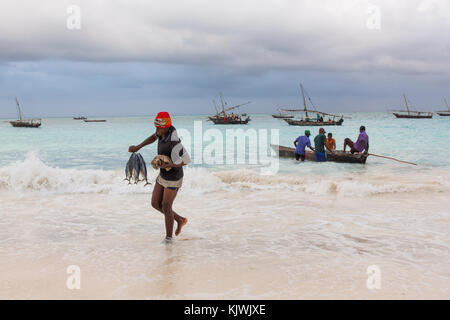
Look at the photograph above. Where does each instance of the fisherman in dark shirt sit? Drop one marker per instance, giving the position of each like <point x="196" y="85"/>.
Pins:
<point x="167" y="182"/>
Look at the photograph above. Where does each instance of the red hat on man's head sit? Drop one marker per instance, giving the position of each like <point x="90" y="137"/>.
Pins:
<point x="163" y="120"/>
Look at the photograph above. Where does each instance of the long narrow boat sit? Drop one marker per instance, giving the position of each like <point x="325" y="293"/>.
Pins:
<point x="280" y="115"/>
<point x="338" y="156"/>
<point x="24" y="123"/>
<point x="444" y="113"/>
<point x="331" y="119"/>
<point x="314" y="123"/>
<point x="94" y="120"/>
<point x="412" y="114"/>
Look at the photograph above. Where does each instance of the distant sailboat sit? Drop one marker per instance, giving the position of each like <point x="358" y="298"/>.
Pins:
<point x="223" y="118"/>
<point x="319" y="121"/>
<point x="21" y="122"/>
<point x="445" y="113"/>
<point x="412" y="114"/>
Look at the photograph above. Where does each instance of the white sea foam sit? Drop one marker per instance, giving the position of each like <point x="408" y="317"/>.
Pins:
<point x="33" y="175"/>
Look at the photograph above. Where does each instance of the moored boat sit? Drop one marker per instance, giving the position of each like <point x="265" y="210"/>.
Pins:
<point x="24" y="123"/>
<point x="280" y="115"/>
<point x="444" y="113"/>
<point x="223" y="118"/>
<point x="322" y="119"/>
<point x="408" y="114"/>
<point x="302" y="122"/>
<point x="337" y="156"/>
<point x="94" y="120"/>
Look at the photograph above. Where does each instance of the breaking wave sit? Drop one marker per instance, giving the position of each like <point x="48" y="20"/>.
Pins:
<point x="32" y="175"/>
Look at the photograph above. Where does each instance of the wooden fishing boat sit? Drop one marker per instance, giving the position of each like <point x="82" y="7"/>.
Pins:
<point x="223" y="118"/>
<point x="94" y="120"/>
<point x="24" y="123"/>
<point x="314" y="123"/>
<point x="444" y="113"/>
<point x="321" y="119"/>
<point x="337" y="156"/>
<point x="412" y="114"/>
<point x="276" y="116"/>
<point x="280" y="115"/>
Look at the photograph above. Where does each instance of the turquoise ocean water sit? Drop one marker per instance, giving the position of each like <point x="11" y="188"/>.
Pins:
<point x="67" y="143"/>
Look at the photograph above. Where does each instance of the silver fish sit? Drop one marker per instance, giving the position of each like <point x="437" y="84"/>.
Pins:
<point x="143" y="169"/>
<point x="136" y="169"/>
<point x="129" y="167"/>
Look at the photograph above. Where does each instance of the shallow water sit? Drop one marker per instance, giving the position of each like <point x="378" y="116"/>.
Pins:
<point x="309" y="231"/>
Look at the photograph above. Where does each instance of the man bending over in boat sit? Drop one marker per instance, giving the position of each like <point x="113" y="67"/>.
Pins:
<point x="361" y="144"/>
<point x="167" y="182"/>
<point x="300" y="144"/>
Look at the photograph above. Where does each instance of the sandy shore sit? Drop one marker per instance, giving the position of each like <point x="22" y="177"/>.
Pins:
<point x="243" y="245"/>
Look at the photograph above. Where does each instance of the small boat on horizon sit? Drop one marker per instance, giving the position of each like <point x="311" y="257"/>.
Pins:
<point x="25" y="123"/>
<point x="444" y="113"/>
<point x="412" y="114"/>
<point x="79" y="118"/>
<point x="100" y="120"/>
<point x="307" y="121"/>
<point x="280" y="115"/>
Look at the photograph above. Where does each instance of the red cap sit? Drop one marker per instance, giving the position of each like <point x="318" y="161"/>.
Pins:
<point x="163" y="120"/>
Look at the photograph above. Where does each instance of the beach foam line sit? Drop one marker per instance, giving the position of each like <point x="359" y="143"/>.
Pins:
<point x="33" y="175"/>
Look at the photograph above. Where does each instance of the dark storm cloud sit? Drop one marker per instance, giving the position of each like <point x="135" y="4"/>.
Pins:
<point x="136" y="56"/>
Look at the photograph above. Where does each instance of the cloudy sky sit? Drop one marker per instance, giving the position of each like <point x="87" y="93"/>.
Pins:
<point x="130" y="57"/>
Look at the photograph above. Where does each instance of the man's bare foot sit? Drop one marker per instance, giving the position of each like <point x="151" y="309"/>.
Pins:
<point x="180" y="226"/>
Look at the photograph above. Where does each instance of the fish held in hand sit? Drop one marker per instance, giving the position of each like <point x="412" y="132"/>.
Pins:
<point x="136" y="168"/>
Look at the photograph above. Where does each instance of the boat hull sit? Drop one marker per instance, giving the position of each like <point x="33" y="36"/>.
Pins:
<point x="94" y="120"/>
<point x="444" y="114"/>
<point x="313" y="123"/>
<point x="25" y="124"/>
<point x="406" y="116"/>
<point x="338" y="156"/>
<point x="282" y="117"/>
<point x="229" y="121"/>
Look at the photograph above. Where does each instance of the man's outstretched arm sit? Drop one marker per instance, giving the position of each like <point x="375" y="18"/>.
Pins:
<point x="147" y="141"/>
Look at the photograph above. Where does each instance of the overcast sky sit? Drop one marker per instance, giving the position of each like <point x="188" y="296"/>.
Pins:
<point x="131" y="57"/>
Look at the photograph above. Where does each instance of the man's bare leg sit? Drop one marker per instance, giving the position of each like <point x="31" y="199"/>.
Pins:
<point x="157" y="200"/>
<point x="168" y="198"/>
<point x="348" y="142"/>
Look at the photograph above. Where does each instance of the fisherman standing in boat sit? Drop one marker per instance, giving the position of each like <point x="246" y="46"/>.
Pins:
<point x="300" y="144"/>
<point x="169" y="181"/>
<point x="361" y="144"/>
<point x="320" y="145"/>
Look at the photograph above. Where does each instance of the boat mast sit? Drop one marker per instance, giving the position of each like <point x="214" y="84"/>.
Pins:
<point x="18" y="108"/>
<point x="215" y="106"/>
<point x="221" y="100"/>
<point x="406" y="102"/>
<point x="447" y="104"/>
<point x="304" y="100"/>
